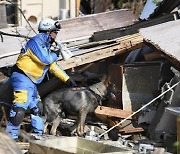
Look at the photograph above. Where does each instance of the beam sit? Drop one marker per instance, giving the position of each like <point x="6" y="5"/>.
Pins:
<point x="124" y="44"/>
<point x="131" y="130"/>
<point x="113" y="112"/>
<point x="131" y="29"/>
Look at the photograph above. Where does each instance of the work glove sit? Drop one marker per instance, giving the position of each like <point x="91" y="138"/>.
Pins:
<point x="57" y="52"/>
<point x="71" y="82"/>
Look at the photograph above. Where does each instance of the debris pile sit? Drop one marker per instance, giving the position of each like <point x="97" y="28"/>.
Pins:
<point x="142" y="60"/>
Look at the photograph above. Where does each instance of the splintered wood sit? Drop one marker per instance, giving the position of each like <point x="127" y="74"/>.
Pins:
<point x="106" y="114"/>
<point x="124" y="44"/>
<point x="113" y="112"/>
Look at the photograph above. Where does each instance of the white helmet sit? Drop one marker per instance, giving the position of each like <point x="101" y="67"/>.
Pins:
<point x="49" y="25"/>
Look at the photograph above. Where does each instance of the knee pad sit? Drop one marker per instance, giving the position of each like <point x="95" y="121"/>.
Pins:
<point x="18" y="116"/>
<point x="38" y="109"/>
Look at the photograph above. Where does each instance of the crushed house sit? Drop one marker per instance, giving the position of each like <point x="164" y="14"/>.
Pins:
<point x="142" y="59"/>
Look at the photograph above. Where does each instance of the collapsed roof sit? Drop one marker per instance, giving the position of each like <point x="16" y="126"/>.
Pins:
<point x="72" y="30"/>
<point x="164" y="37"/>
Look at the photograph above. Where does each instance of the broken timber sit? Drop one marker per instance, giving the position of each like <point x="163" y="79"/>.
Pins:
<point x="124" y="44"/>
<point x="105" y="113"/>
<point x="113" y="112"/>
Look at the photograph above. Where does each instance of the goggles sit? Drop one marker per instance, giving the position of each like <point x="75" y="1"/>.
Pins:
<point x="57" y="25"/>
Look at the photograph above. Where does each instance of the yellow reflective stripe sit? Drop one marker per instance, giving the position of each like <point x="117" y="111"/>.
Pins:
<point x="20" y="96"/>
<point x="32" y="69"/>
<point x="30" y="53"/>
<point x="58" y="72"/>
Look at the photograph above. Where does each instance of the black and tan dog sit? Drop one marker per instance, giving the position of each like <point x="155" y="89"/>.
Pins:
<point x="81" y="100"/>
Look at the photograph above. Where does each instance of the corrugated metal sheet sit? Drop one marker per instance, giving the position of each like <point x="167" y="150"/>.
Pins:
<point x="165" y="37"/>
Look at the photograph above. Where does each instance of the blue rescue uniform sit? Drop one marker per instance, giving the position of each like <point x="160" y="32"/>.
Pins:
<point x="31" y="67"/>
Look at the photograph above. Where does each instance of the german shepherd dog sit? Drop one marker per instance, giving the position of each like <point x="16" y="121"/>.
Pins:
<point x="81" y="100"/>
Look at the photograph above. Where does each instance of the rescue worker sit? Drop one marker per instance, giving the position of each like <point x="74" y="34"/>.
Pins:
<point x="34" y="61"/>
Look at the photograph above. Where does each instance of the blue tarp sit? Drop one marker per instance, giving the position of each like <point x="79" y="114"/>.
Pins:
<point x="149" y="8"/>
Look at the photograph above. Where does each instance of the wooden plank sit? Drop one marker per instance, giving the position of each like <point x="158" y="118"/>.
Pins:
<point x="113" y="112"/>
<point x="131" y="130"/>
<point x="77" y="7"/>
<point x="23" y="145"/>
<point x="131" y="29"/>
<point x="152" y="56"/>
<point x="125" y="128"/>
<point x="127" y="43"/>
<point x="7" y="145"/>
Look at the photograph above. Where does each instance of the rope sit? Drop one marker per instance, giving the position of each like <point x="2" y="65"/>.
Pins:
<point x="140" y="109"/>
